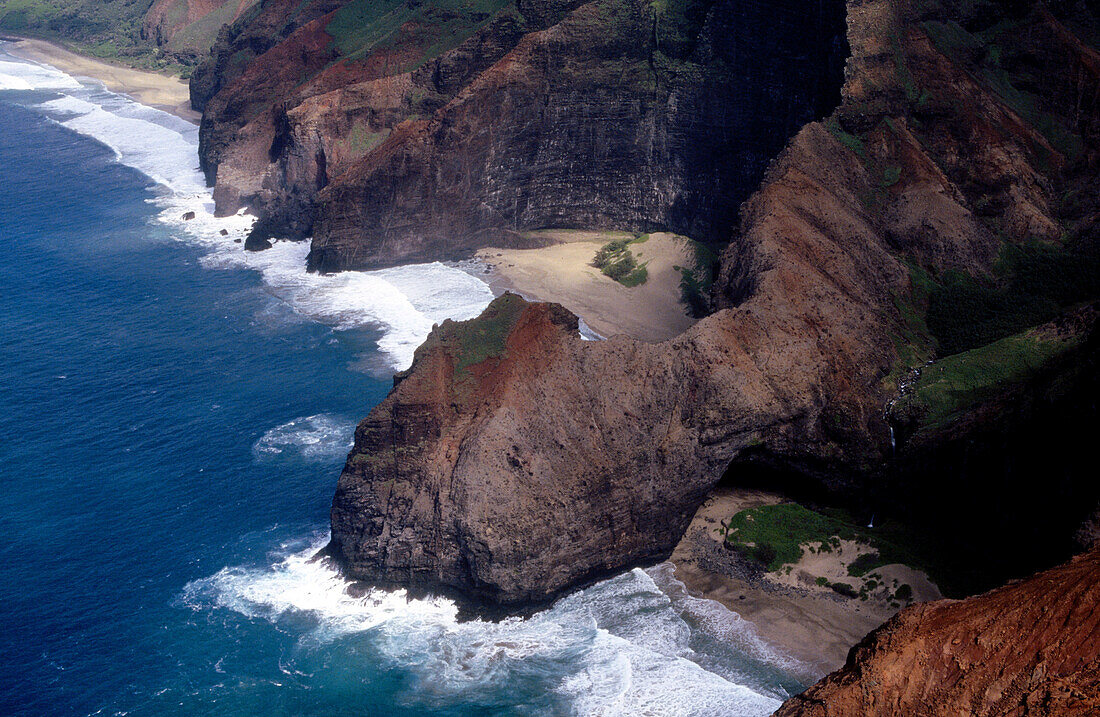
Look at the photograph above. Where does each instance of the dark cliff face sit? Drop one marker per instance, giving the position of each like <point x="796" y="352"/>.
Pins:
<point x="614" y="117"/>
<point x="901" y="230"/>
<point x="608" y="114"/>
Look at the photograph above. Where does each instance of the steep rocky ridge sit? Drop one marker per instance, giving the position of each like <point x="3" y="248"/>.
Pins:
<point x="1031" y="648"/>
<point x="294" y="96"/>
<point x="507" y="476"/>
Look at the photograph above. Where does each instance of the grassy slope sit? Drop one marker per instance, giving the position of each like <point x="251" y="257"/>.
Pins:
<point x="977" y="326"/>
<point x="108" y="29"/>
<point x="366" y="26"/>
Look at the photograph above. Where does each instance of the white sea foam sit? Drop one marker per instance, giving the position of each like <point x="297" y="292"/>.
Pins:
<point x="403" y="302"/>
<point x="27" y="76"/>
<point x="406" y="300"/>
<point x="617" y="648"/>
<point x="320" y="437"/>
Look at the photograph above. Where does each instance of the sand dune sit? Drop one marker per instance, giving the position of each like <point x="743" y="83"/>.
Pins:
<point x="563" y="273"/>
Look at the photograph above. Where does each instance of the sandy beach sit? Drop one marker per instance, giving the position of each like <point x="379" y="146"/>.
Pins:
<point x="810" y="623"/>
<point x="563" y="273"/>
<point x="149" y="88"/>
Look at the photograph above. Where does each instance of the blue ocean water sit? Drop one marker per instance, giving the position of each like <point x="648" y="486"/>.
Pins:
<point x="173" y="418"/>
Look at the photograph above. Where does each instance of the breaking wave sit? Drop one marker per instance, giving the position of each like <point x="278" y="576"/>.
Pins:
<point x="621" y="647"/>
<point x="402" y="303"/>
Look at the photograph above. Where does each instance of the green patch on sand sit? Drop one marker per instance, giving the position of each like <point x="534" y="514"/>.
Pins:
<point x="615" y="260"/>
<point x="777" y="535"/>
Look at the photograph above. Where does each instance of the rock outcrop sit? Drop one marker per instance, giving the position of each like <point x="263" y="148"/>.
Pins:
<point x="1030" y="648"/>
<point x="615" y="117"/>
<point x="505" y="476"/>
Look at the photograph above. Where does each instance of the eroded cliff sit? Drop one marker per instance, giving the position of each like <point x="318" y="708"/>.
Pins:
<point x="506" y="477"/>
<point x="410" y="132"/>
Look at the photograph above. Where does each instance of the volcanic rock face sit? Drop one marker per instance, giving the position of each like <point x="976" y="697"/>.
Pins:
<point x="599" y="121"/>
<point x="611" y="113"/>
<point x="507" y="475"/>
<point x="1030" y="648"/>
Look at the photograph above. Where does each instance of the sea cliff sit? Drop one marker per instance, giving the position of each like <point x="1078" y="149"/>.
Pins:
<point x="511" y="475"/>
<point x="462" y="128"/>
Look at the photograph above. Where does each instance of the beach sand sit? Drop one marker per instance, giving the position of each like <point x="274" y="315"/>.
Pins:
<point x="562" y="273"/>
<point x="808" y="622"/>
<point x="149" y="88"/>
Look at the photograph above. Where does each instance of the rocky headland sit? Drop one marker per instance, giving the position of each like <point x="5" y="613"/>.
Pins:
<point x="426" y="132"/>
<point x="897" y="299"/>
<point x="900" y="321"/>
<point x="505" y="472"/>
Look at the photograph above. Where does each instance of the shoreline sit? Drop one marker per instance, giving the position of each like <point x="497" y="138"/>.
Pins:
<point x="815" y="627"/>
<point x="163" y="92"/>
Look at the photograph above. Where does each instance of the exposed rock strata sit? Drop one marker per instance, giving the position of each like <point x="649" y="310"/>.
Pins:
<point x="188" y="28"/>
<point x="508" y="477"/>
<point x="1030" y="648"/>
<point x="569" y="459"/>
<point x="598" y="121"/>
<point x="610" y="113"/>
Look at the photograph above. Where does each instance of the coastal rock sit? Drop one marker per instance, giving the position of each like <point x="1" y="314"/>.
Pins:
<point x="1029" y="648"/>
<point x="505" y="477"/>
<point x="187" y="29"/>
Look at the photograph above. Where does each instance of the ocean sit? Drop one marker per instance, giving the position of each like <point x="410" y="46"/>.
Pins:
<point x="174" y="414"/>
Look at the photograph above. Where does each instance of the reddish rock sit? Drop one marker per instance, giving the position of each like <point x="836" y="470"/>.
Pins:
<point x="506" y="479"/>
<point x="1029" y="648"/>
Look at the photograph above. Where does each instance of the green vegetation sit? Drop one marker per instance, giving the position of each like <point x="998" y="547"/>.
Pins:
<point x="429" y="29"/>
<point x="864" y="563"/>
<point x="980" y="327"/>
<point x="963" y="380"/>
<point x="890" y="176"/>
<point x="1037" y="282"/>
<point x="361" y="140"/>
<point x="616" y="260"/>
<point x="781" y="532"/>
<point x="956" y="313"/>
<point x="697" y="280"/>
<point x="904" y="593"/>
<point x="108" y="29"/>
<point x="847" y="139"/>
<point x="913" y="341"/>
<point x="484" y="337"/>
<point x="676" y="25"/>
<point x="845" y="589"/>
<point x="472" y="342"/>
<point x="992" y="53"/>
